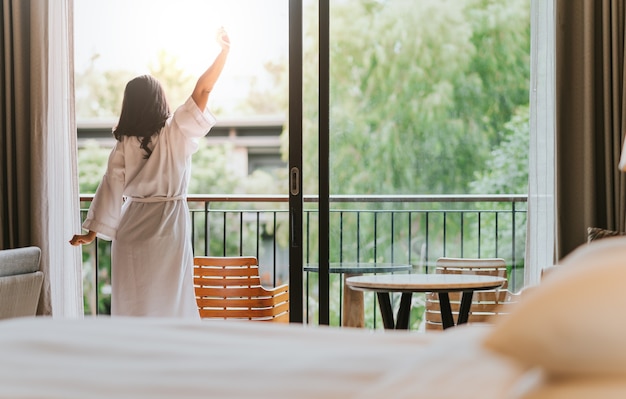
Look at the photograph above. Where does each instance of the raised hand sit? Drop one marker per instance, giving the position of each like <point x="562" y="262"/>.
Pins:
<point x="223" y="39"/>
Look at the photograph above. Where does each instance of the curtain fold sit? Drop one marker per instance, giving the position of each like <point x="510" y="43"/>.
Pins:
<point x="590" y="119"/>
<point x="61" y="174"/>
<point x="15" y="116"/>
<point x="541" y="225"/>
<point x="39" y="201"/>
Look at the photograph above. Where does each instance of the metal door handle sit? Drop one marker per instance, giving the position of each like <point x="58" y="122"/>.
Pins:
<point x="294" y="184"/>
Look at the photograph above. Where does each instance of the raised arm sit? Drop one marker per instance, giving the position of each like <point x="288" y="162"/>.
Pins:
<point x="207" y="80"/>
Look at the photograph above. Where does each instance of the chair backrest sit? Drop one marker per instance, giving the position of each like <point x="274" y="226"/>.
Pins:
<point x="229" y="287"/>
<point x="20" y="282"/>
<point x="485" y="304"/>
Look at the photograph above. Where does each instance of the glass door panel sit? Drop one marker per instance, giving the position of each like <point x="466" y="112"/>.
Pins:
<point x="424" y="99"/>
<point x="243" y="156"/>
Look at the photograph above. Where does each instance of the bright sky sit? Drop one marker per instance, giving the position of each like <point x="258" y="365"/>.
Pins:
<point x="127" y="34"/>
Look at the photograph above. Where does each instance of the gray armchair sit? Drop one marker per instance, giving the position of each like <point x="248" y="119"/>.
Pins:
<point x="20" y="282"/>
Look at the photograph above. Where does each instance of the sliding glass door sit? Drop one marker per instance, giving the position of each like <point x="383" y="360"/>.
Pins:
<point x="392" y="103"/>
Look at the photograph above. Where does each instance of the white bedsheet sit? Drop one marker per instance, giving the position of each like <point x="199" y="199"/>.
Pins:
<point x="573" y="388"/>
<point x="157" y="358"/>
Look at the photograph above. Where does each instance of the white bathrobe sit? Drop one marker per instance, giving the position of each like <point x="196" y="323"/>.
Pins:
<point x="141" y="206"/>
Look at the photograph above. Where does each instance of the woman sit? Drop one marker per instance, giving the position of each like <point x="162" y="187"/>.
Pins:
<point x="141" y="204"/>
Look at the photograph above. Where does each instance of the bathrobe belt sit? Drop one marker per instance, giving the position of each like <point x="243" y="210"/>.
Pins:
<point x="155" y="199"/>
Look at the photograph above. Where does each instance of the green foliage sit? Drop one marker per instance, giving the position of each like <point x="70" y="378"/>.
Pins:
<point x="423" y="96"/>
<point x="420" y="92"/>
<point x="502" y="37"/>
<point x="271" y="97"/>
<point x="177" y="83"/>
<point x="99" y="93"/>
<point x="92" y="160"/>
<point x="210" y="170"/>
<point x="506" y="171"/>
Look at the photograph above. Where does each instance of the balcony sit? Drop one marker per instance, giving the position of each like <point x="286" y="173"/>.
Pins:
<point x="413" y="229"/>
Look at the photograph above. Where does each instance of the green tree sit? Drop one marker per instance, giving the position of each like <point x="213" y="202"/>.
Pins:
<point x="421" y="97"/>
<point x="419" y="92"/>
<point x="92" y="160"/>
<point x="506" y="171"/>
<point x="272" y="97"/>
<point x="502" y="63"/>
<point x="176" y="81"/>
<point x="99" y="93"/>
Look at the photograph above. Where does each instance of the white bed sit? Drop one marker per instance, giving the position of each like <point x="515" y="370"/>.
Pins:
<point x="150" y="358"/>
<point x="556" y="344"/>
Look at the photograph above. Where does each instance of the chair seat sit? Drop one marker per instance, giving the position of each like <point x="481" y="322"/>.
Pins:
<point x="230" y="288"/>
<point x="486" y="305"/>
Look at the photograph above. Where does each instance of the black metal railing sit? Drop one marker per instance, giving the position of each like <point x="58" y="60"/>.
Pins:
<point x="413" y="229"/>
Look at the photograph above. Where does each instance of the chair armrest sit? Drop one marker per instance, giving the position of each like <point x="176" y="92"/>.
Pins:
<point x="19" y="261"/>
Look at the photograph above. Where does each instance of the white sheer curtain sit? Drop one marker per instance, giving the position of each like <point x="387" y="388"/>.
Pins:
<point x="66" y="270"/>
<point x="55" y="132"/>
<point x="540" y="245"/>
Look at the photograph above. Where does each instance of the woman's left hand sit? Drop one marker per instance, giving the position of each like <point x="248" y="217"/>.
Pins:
<point x="81" y="239"/>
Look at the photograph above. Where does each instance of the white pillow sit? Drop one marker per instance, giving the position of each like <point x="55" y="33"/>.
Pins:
<point x="574" y="322"/>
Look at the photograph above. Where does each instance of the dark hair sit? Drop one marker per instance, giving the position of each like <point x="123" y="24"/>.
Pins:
<point x="144" y="111"/>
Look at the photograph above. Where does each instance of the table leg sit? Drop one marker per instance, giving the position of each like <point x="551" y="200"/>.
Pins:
<point x="384" y="301"/>
<point x="466" y="304"/>
<point x="446" y="311"/>
<point x="353" y="307"/>
<point x="402" y="323"/>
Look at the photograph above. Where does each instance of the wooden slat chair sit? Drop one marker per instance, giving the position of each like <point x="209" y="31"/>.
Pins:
<point x="486" y="305"/>
<point x="230" y="288"/>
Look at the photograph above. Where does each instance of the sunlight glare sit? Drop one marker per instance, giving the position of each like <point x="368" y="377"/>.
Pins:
<point x="128" y="34"/>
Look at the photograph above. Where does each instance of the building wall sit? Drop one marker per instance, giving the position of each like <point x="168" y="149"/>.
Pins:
<point x="255" y="141"/>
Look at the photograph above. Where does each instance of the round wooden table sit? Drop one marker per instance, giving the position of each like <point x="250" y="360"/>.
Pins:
<point x="407" y="284"/>
<point x="353" y="310"/>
